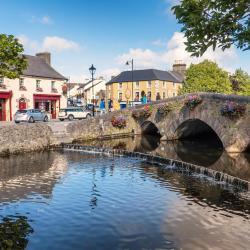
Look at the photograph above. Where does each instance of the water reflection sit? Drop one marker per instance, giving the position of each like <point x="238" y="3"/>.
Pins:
<point x="207" y="153"/>
<point x="23" y="175"/>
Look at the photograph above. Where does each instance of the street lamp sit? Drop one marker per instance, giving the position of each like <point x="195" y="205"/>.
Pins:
<point x="92" y="71"/>
<point x="132" y="65"/>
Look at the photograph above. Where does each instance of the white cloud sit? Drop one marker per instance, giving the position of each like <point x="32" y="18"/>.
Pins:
<point x="159" y="43"/>
<point x="46" y="20"/>
<point x="175" y="50"/>
<point x="43" y="20"/>
<point x="49" y="43"/>
<point x="108" y="73"/>
<point x="58" y="44"/>
<point x="170" y="4"/>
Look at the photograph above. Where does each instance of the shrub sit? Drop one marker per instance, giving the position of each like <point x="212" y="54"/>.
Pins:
<point x="192" y="101"/>
<point x="142" y="113"/>
<point x="118" y="122"/>
<point x="233" y="109"/>
<point x="164" y="109"/>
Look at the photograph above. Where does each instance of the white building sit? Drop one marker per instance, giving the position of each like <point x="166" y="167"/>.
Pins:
<point x="93" y="90"/>
<point x="40" y="86"/>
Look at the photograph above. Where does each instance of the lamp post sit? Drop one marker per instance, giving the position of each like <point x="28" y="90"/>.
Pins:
<point x="132" y="72"/>
<point x="92" y="71"/>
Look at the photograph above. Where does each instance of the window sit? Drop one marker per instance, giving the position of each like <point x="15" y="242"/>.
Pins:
<point x="1" y="80"/>
<point x="53" y="85"/>
<point x="21" y="82"/>
<point x="137" y="85"/>
<point x="157" y="85"/>
<point x="149" y="84"/>
<point x="149" y="96"/>
<point x="174" y="94"/>
<point x="137" y="97"/>
<point x="38" y="82"/>
<point x="164" y="84"/>
<point x="120" y="85"/>
<point x="164" y="95"/>
<point x="173" y="84"/>
<point x="119" y="96"/>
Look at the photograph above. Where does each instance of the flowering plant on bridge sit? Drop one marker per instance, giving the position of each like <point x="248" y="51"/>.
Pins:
<point x="233" y="109"/>
<point x="118" y="122"/>
<point x="164" y="109"/>
<point x="192" y="101"/>
<point x="143" y="113"/>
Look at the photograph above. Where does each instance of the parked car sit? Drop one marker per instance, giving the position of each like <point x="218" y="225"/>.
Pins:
<point x="89" y="107"/>
<point x="73" y="113"/>
<point x="78" y="104"/>
<point x="30" y="115"/>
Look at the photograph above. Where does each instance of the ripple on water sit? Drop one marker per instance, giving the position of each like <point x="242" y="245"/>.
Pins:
<point x="83" y="201"/>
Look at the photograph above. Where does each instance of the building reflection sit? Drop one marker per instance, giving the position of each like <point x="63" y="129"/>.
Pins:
<point x="27" y="174"/>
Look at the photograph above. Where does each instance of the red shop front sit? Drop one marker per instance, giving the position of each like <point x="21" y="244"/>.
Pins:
<point x="5" y="106"/>
<point x="48" y="103"/>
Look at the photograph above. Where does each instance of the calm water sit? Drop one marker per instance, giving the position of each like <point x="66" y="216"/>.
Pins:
<point x="73" y="200"/>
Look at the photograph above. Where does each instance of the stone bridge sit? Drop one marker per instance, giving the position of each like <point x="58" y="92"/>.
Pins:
<point x="179" y="123"/>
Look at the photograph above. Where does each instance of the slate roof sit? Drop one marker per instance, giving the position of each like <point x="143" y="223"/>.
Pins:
<point x="39" y="68"/>
<point x="146" y="75"/>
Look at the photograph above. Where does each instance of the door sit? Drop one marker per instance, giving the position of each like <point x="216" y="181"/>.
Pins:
<point x="53" y="109"/>
<point x="2" y="110"/>
<point x="22" y="104"/>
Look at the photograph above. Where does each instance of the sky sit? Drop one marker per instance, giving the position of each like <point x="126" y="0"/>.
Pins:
<point x="106" y="33"/>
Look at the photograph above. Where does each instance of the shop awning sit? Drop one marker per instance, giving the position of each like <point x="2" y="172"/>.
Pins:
<point x="46" y="97"/>
<point x="5" y="95"/>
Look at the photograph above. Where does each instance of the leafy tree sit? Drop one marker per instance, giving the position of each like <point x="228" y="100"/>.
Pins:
<point x="206" y="77"/>
<point x="12" y="62"/>
<point x="216" y="23"/>
<point x="240" y="82"/>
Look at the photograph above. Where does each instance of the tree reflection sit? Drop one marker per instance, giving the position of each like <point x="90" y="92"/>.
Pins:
<point x="14" y="233"/>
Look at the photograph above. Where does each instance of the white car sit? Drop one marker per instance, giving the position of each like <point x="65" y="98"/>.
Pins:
<point x="73" y="113"/>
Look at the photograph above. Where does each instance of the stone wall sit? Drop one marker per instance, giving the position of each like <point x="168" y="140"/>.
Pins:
<point x="233" y="133"/>
<point x="16" y="139"/>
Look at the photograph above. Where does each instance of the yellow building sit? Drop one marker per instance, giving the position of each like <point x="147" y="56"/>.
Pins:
<point x="156" y="84"/>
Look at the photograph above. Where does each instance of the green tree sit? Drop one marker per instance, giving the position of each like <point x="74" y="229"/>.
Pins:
<point x="216" y="23"/>
<point x="12" y="62"/>
<point x="206" y="77"/>
<point x="240" y="82"/>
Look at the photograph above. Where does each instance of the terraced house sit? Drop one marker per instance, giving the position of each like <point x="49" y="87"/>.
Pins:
<point x="40" y="86"/>
<point x="129" y="86"/>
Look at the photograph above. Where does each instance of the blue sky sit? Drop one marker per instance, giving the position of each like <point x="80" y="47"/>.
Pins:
<point x="105" y="33"/>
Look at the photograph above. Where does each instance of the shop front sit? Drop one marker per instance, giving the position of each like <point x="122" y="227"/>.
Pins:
<point x="5" y="106"/>
<point x="48" y="103"/>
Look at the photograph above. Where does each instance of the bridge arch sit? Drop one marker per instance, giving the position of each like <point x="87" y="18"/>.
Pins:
<point x="149" y="128"/>
<point x="195" y="128"/>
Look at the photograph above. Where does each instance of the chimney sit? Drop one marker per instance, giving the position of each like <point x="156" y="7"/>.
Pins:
<point x="46" y="56"/>
<point x="179" y="66"/>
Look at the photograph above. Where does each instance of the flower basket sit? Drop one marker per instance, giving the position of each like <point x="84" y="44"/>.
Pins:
<point x="54" y="90"/>
<point x="3" y="86"/>
<point x="23" y="88"/>
<point x="164" y="109"/>
<point x="64" y="89"/>
<point x="118" y="122"/>
<point x="233" y="109"/>
<point x="142" y="113"/>
<point x="39" y="89"/>
<point x="192" y="101"/>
